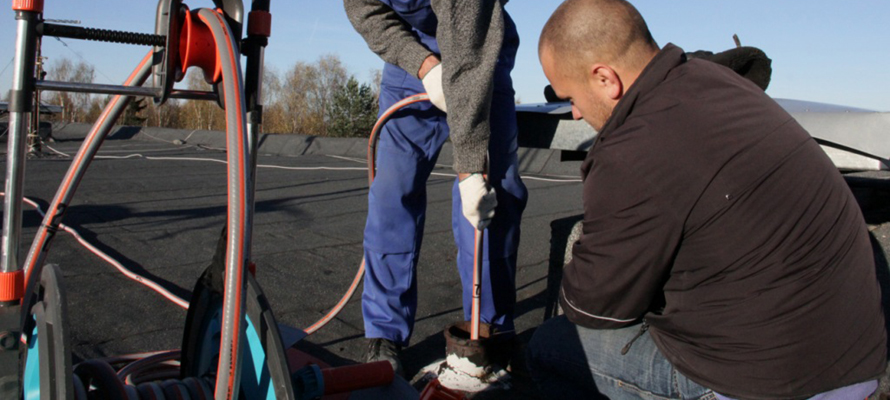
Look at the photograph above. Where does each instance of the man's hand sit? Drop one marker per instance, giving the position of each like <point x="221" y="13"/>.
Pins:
<point x="432" y="82"/>
<point x="478" y="200"/>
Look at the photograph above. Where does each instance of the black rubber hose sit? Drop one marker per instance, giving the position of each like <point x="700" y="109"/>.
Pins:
<point x="100" y="375"/>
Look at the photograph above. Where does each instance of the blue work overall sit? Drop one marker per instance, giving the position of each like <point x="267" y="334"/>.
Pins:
<point x="407" y="151"/>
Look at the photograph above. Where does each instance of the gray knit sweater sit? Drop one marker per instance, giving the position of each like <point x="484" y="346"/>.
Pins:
<point x="469" y="34"/>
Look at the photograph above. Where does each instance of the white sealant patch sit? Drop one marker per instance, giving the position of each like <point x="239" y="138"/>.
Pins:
<point x="464" y="365"/>
<point x="492" y="378"/>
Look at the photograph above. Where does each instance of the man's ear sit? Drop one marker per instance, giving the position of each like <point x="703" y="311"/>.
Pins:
<point x="604" y="79"/>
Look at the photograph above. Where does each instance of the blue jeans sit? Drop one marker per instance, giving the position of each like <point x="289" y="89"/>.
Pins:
<point x="572" y="362"/>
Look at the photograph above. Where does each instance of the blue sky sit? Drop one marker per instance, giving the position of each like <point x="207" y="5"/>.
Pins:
<point x="833" y="52"/>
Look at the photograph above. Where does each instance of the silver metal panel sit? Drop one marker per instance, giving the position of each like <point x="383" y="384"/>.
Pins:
<point x="847" y="128"/>
<point x="858" y="139"/>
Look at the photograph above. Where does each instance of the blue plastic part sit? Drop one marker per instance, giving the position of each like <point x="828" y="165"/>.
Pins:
<point x="31" y="378"/>
<point x="255" y="376"/>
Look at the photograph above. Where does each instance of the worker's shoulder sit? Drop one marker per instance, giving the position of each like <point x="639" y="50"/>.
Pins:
<point x="701" y="96"/>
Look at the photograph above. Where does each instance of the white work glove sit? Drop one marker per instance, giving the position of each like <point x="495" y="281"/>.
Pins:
<point x="478" y="200"/>
<point x="432" y="83"/>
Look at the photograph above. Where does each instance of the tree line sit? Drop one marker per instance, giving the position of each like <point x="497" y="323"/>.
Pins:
<point x="313" y="98"/>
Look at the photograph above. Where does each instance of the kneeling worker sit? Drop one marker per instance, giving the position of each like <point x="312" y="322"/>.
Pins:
<point x="722" y="254"/>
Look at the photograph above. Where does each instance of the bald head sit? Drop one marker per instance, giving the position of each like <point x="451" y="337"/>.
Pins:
<point x="585" y="32"/>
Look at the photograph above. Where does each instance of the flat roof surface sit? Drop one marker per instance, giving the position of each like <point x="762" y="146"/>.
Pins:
<point x="158" y="208"/>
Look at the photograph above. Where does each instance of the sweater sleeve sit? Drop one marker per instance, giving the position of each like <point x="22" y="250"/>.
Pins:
<point x="386" y="34"/>
<point x="470" y="35"/>
<point x="629" y="239"/>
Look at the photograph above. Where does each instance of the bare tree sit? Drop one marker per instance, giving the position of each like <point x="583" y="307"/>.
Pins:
<point x="200" y="114"/>
<point x="61" y="71"/>
<point x="273" y="113"/>
<point x="167" y="115"/>
<point x="296" y="99"/>
<point x="305" y="92"/>
<point x="331" y="77"/>
<point x="271" y="85"/>
<point x="376" y="81"/>
<point x="75" y="106"/>
<point x="97" y="104"/>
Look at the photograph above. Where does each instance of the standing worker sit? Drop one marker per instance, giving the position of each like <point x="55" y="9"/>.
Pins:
<point x="462" y="52"/>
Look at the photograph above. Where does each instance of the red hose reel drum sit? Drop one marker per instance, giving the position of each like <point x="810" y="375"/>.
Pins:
<point x="197" y="48"/>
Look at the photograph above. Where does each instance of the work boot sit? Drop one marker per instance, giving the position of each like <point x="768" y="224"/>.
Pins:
<point x="510" y="354"/>
<point x="385" y="350"/>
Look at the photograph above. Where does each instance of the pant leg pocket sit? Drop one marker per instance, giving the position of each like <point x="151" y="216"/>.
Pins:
<point x="618" y="389"/>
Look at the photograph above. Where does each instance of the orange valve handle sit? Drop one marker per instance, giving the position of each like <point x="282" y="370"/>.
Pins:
<point x="28" y="5"/>
<point x="356" y="377"/>
<point x="198" y="49"/>
<point x="12" y="286"/>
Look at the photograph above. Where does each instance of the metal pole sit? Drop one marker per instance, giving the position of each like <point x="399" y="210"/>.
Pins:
<point x="12" y="284"/>
<point x="35" y="144"/>
<point x="20" y="105"/>
<point x="76" y="87"/>
<point x="258" y="32"/>
<point x="194" y="95"/>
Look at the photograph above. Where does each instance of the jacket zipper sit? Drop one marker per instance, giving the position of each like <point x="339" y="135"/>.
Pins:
<point x="643" y="329"/>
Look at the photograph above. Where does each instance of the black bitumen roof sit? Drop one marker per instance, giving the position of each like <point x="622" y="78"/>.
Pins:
<point x="160" y="214"/>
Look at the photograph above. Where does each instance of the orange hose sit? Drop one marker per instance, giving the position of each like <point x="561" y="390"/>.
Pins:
<point x="476" y="309"/>
<point x="372" y="171"/>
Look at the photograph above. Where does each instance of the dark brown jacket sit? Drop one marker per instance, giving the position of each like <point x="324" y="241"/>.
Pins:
<point x="712" y="214"/>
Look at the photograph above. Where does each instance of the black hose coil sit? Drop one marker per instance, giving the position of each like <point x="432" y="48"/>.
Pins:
<point x="101" y="35"/>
